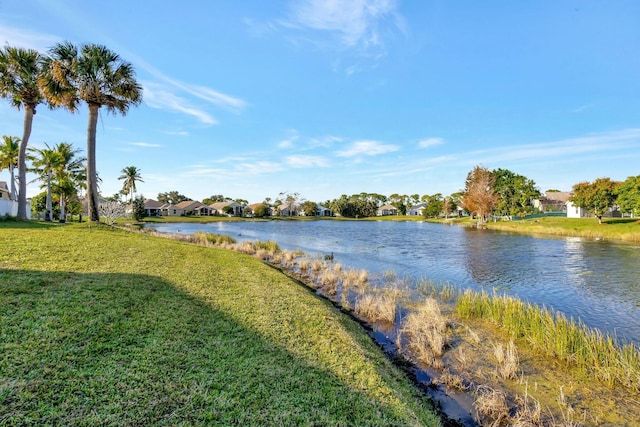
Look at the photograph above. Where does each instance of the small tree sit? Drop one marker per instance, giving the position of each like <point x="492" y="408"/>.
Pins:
<point x="111" y="211"/>
<point x="138" y="211"/>
<point x="309" y="208"/>
<point x="629" y="196"/>
<point x="597" y="197"/>
<point x="478" y="196"/>
<point x="261" y="210"/>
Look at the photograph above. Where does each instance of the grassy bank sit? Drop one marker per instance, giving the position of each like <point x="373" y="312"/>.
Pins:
<point x="621" y="229"/>
<point x="102" y="326"/>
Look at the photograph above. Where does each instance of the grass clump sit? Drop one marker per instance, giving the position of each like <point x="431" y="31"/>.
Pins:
<point x="426" y="333"/>
<point x="107" y="327"/>
<point x="377" y="308"/>
<point x="552" y="334"/>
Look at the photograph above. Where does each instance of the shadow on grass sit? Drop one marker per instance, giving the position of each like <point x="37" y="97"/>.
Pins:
<point x="620" y="220"/>
<point x="29" y="224"/>
<point x="125" y="349"/>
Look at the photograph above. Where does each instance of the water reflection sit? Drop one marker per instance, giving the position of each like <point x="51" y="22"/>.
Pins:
<point x="595" y="281"/>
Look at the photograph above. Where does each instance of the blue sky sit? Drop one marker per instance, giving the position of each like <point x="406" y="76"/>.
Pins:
<point x="252" y="98"/>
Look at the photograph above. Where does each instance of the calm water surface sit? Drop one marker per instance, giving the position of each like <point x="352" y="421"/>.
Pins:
<point x="595" y="281"/>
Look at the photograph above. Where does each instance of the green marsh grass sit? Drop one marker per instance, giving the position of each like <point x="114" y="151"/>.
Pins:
<point x="552" y="334"/>
<point x="107" y="327"/>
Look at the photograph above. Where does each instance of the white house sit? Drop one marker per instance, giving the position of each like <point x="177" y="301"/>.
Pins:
<point x="575" y="211"/>
<point x="218" y="208"/>
<point x="387" y="210"/>
<point x="416" y="210"/>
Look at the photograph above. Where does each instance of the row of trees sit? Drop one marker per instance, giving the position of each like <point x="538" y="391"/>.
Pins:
<point x="603" y="194"/>
<point x="68" y="76"/>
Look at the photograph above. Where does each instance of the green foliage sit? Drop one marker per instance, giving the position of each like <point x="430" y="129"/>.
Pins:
<point x="629" y="196"/>
<point x="597" y="196"/>
<point x="434" y="206"/>
<point x="309" y="208"/>
<point x="138" y="211"/>
<point x="357" y="205"/>
<point x="515" y="192"/>
<point x="261" y="211"/>
<point x="130" y="176"/>
<point x="172" y="197"/>
<point x="214" y="199"/>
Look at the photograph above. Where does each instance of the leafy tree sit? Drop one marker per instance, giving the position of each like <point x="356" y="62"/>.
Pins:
<point x="597" y="197"/>
<point x="20" y="70"/>
<point x="98" y="77"/>
<point x="9" y="157"/>
<point x="629" y="196"/>
<point x="434" y="205"/>
<point x="261" y="210"/>
<point x="138" y="210"/>
<point x="172" y="197"/>
<point x="130" y="176"/>
<point x="478" y="195"/>
<point x="515" y="192"/>
<point x="309" y="208"/>
<point x="39" y="203"/>
<point x="399" y="202"/>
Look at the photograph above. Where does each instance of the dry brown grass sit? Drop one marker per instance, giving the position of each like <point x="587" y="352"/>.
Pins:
<point x="426" y="333"/>
<point x="376" y="308"/>
<point x="508" y="362"/>
<point x="328" y="281"/>
<point x="492" y="407"/>
<point x="453" y="381"/>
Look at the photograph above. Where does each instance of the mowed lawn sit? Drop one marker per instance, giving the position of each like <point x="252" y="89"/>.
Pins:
<point x="107" y="327"/>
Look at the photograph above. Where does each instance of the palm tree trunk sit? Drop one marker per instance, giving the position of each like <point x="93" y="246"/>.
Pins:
<point x="22" y="162"/>
<point x="63" y="214"/>
<point x="13" y="182"/>
<point x="49" y="214"/>
<point x="92" y="185"/>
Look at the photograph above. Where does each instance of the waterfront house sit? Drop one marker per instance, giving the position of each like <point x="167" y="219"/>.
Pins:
<point x="387" y="210"/>
<point x="221" y="208"/>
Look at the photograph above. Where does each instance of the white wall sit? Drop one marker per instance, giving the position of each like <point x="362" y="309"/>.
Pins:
<point x="10" y="207"/>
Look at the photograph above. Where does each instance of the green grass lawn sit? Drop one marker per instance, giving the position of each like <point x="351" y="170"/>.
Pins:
<point x="106" y="327"/>
<point x="625" y="229"/>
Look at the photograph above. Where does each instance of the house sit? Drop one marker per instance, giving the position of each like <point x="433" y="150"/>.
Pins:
<point x="153" y="207"/>
<point x="221" y="208"/>
<point x="552" y="201"/>
<point x="4" y="191"/>
<point x="387" y="210"/>
<point x="576" y="211"/>
<point x="193" y="207"/>
<point x="322" y="211"/>
<point x="288" y="210"/>
<point x="417" y="210"/>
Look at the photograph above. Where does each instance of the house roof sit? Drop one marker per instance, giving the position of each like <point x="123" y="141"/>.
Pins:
<point x="557" y="196"/>
<point x="387" y="207"/>
<point x="221" y="205"/>
<point x="153" y="204"/>
<point x="189" y="204"/>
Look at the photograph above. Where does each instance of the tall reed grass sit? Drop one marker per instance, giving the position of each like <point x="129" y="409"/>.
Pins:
<point x="552" y="334"/>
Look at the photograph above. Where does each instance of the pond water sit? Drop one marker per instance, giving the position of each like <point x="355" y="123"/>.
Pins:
<point x="597" y="282"/>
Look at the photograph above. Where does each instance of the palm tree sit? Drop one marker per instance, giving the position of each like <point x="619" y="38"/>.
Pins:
<point x="130" y="175"/>
<point x="9" y="153"/>
<point x="44" y="163"/>
<point x="62" y="170"/>
<point x="99" y="77"/>
<point x="19" y="73"/>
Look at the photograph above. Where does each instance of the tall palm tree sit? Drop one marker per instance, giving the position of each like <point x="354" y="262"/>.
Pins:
<point x="99" y="77"/>
<point x="45" y="162"/>
<point x="130" y="175"/>
<point x="9" y="153"/>
<point x="20" y="70"/>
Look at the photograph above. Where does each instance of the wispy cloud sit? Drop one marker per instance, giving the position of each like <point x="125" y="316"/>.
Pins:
<point x="359" y="29"/>
<point x="582" y="108"/>
<point x="306" y="161"/>
<point x="156" y="97"/>
<point x="29" y="39"/>
<point x="430" y="142"/>
<point x="177" y="132"/>
<point x="145" y="144"/>
<point x="367" y="148"/>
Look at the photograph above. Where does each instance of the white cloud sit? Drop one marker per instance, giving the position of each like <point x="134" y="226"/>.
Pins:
<point x="430" y="142"/>
<point x="28" y="39"/>
<point x="156" y="97"/>
<point x="306" y="161"/>
<point x="367" y="148"/>
<point x="355" y="22"/>
<point x="145" y="144"/>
